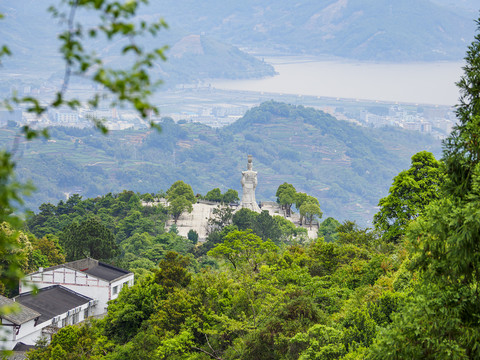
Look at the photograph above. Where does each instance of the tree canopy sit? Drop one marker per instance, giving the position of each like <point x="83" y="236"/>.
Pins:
<point x="411" y="192"/>
<point x="438" y="320"/>
<point x="180" y="198"/>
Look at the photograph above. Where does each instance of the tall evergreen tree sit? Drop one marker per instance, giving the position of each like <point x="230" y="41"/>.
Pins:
<point x="442" y="318"/>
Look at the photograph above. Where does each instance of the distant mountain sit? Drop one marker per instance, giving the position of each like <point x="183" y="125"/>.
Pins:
<point x="380" y="30"/>
<point x="347" y="167"/>
<point x="472" y="6"/>
<point x="31" y="33"/>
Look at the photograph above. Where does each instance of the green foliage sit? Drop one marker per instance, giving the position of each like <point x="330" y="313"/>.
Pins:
<point x="180" y="198"/>
<point x="350" y="233"/>
<point x="289" y="231"/>
<point x="411" y="192"/>
<point x="440" y="321"/>
<point x="139" y="233"/>
<point x="133" y="306"/>
<point x="112" y="21"/>
<point x="214" y="195"/>
<point x="320" y="342"/>
<point x="286" y="196"/>
<point x="221" y="217"/>
<point x="309" y="211"/>
<point x="311" y="207"/>
<point x="90" y="238"/>
<point x="230" y="196"/>
<point x="244" y="218"/>
<point x="266" y="227"/>
<point x="243" y="249"/>
<point x="192" y="236"/>
<point x="328" y="229"/>
<point x="11" y="192"/>
<point x="172" y="271"/>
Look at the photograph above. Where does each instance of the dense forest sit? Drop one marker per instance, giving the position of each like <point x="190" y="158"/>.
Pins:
<point x="347" y="167"/>
<point x="258" y="288"/>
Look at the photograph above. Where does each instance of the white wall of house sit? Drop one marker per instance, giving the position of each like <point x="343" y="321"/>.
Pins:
<point x="29" y="333"/>
<point x="6" y="335"/>
<point x="117" y="285"/>
<point x="72" y="279"/>
<point x="80" y="282"/>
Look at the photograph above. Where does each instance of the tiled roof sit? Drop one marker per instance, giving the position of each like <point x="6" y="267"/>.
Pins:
<point x="93" y="267"/>
<point x="21" y="347"/>
<point x="106" y="272"/>
<point x="22" y="313"/>
<point x="52" y="301"/>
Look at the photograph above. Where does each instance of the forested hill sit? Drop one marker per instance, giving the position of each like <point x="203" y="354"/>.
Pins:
<point x="347" y="167"/>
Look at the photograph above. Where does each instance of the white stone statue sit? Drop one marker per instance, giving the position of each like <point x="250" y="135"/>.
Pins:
<point x="249" y="184"/>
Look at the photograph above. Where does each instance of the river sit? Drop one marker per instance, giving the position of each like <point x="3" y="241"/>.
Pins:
<point x="422" y="83"/>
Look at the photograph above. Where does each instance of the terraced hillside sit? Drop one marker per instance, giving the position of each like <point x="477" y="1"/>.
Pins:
<point x="347" y="167"/>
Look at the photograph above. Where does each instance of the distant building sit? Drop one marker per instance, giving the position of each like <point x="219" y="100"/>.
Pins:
<point x="66" y="116"/>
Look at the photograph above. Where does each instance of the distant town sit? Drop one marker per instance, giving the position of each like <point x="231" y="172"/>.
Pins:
<point x="218" y="108"/>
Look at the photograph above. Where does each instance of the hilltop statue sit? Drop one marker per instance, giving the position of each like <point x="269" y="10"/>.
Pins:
<point x="249" y="184"/>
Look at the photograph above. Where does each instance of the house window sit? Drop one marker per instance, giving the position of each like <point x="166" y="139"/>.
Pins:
<point x="85" y="313"/>
<point x="75" y="318"/>
<point x="64" y="322"/>
<point x="115" y="290"/>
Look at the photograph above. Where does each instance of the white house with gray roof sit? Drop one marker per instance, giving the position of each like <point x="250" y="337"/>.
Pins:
<point x="28" y="317"/>
<point x="99" y="281"/>
<point x="67" y="294"/>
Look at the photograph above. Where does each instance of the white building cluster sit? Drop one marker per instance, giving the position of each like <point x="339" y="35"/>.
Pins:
<point x="67" y="294"/>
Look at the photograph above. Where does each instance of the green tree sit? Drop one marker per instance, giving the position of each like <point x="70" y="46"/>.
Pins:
<point x="221" y="216"/>
<point x="302" y="198"/>
<point x="309" y="211"/>
<point x="90" y="238"/>
<point x="440" y="321"/>
<point x="180" y="198"/>
<point x="192" y="236"/>
<point x="411" y="192"/>
<point x="133" y="306"/>
<point x="286" y="197"/>
<point x="350" y="233"/>
<point x="177" y="206"/>
<point x="179" y="188"/>
<point x="328" y="229"/>
<point x="266" y="227"/>
<point x="230" y="196"/>
<point x="243" y="248"/>
<point x="172" y="271"/>
<point x="288" y="229"/>
<point x="214" y="195"/>
<point x="244" y="219"/>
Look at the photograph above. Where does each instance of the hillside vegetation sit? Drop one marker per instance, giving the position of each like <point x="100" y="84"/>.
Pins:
<point x="347" y="167"/>
<point x="380" y="30"/>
